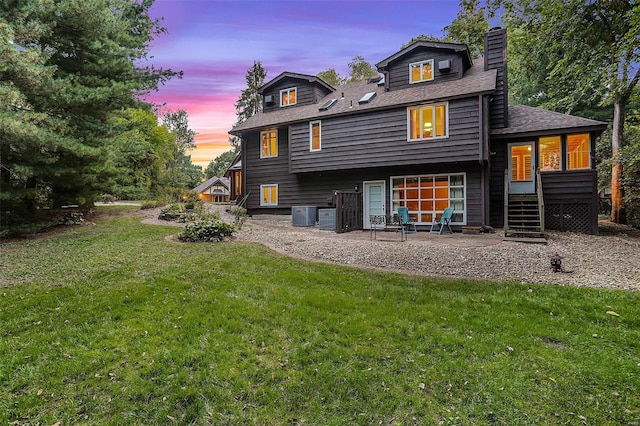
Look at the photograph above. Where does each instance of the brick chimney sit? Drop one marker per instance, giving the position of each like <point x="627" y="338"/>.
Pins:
<point x="495" y="57"/>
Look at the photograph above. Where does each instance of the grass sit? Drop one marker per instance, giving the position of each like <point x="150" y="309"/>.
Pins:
<point x="113" y="324"/>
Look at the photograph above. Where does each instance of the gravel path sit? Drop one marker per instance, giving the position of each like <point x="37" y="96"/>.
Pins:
<point x="600" y="261"/>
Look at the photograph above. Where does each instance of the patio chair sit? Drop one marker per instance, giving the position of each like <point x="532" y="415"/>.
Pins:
<point x="445" y="220"/>
<point x="407" y="225"/>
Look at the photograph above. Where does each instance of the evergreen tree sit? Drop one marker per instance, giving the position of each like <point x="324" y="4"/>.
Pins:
<point x="250" y="101"/>
<point x="65" y="68"/>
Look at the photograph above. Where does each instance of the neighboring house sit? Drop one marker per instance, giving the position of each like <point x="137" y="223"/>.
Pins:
<point x="434" y="131"/>
<point x="214" y="190"/>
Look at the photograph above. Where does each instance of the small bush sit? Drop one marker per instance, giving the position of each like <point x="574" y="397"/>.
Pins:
<point x="72" y="218"/>
<point x="172" y="212"/>
<point x="240" y="214"/>
<point x="150" y="204"/>
<point x="206" y="231"/>
<point x="108" y="198"/>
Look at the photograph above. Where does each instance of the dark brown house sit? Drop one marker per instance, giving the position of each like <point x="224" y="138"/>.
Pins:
<point x="434" y="131"/>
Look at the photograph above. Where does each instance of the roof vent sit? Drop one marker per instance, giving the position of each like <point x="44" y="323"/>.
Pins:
<point x="268" y="99"/>
<point x="445" y="65"/>
<point x="328" y="104"/>
<point x="366" y="98"/>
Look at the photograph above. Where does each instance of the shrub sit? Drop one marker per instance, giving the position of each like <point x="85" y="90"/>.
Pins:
<point x="172" y="212"/>
<point x="240" y="214"/>
<point x="71" y="218"/>
<point x="108" y="198"/>
<point x="150" y="204"/>
<point x="206" y="231"/>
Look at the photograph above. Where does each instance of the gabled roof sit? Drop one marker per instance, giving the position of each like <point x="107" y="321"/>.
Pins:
<point x="236" y="164"/>
<point x="475" y="81"/>
<point x="462" y="49"/>
<point x="525" y="120"/>
<point x="308" y="78"/>
<point x="210" y="182"/>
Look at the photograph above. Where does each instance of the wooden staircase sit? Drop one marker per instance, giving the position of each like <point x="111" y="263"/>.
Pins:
<point x="523" y="218"/>
<point x="524" y="214"/>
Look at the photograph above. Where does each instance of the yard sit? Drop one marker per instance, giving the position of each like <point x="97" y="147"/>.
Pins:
<point x="114" y="323"/>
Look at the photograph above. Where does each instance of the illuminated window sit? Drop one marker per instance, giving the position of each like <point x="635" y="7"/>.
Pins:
<point x="427" y="196"/>
<point x="315" y="132"/>
<point x="269" y="144"/>
<point x="578" y="151"/>
<point x="550" y="154"/>
<point x="421" y="71"/>
<point x="521" y="170"/>
<point x="269" y="195"/>
<point x="288" y="97"/>
<point x="428" y="122"/>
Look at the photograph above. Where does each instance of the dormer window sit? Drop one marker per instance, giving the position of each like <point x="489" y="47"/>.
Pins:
<point x="421" y="71"/>
<point x="288" y="97"/>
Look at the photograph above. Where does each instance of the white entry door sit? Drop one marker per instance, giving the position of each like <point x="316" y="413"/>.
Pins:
<point x="522" y="162"/>
<point x="374" y="201"/>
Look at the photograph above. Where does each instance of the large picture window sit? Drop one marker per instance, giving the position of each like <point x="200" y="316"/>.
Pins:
<point x="578" y="151"/>
<point x="421" y="71"/>
<point x="315" y="132"/>
<point x="428" y="122"/>
<point x="269" y="195"/>
<point x="269" y="143"/>
<point x="427" y="196"/>
<point x="288" y="97"/>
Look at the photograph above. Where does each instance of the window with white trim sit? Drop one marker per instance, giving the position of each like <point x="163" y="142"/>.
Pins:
<point x="426" y="196"/>
<point x="428" y="122"/>
<point x="288" y="96"/>
<point x="421" y="71"/>
<point x="315" y="136"/>
<point x="269" y="143"/>
<point x="269" y="194"/>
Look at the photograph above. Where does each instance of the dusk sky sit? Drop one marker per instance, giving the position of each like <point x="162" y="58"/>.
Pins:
<point x="215" y="43"/>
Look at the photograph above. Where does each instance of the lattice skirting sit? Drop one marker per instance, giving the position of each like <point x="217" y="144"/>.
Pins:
<point x="567" y="217"/>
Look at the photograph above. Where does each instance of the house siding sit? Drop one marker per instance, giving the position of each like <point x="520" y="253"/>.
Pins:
<point x="307" y="93"/>
<point x="378" y="139"/>
<point x="398" y="72"/>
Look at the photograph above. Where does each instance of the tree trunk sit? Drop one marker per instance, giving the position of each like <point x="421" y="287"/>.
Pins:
<point x="617" y="191"/>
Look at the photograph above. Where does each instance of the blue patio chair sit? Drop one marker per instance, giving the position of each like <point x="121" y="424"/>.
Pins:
<point x="407" y="225"/>
<point x="445" y="220"/>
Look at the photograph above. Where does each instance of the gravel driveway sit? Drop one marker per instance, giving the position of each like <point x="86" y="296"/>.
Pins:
<point x="601" y="261"/>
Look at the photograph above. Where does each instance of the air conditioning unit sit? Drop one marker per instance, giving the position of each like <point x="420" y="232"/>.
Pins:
<point x="303" y="215"/>
<point x="268" y="99"/>
<point x="445" y="65"/>
<point x="327" y="219"/>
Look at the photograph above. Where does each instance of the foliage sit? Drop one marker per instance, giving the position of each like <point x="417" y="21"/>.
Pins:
<point x="240" y="214"/>
<point x="630" y="157"/>
<point x="220" y="164"/>
<point x="331" y="77"/>
<point x="250" y="101"/>
<point x="134" y="329"/>
<point x="554" y="44"/>
<point x="72" y="218"/>
<point x="470" y="26"/>
<point x="183" y="174"/>
<point x="151" y="204"/>
<point x="138" y="155"/>
<point x="66" y="67"/>
<point x="359" y="70"/>
<point x="205" y="230"/>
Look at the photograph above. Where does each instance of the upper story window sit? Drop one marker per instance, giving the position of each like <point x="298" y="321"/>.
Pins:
<point x="428" y="121"/>
<point x="269" y="143"/>
<point x="421" y="71"/>
<point x="315" y="131"/>
<point x="288" y="96"/>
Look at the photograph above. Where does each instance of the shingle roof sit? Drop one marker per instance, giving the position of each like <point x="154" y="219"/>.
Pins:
<point x="528" y="120"/>
<point x="475" y="81"/>
<point x="455" y="47"/>
<point x="310" y="78"/>
<point x="210" y="182"/>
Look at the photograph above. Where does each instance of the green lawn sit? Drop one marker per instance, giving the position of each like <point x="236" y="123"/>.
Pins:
<point x="113" y="324"/>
